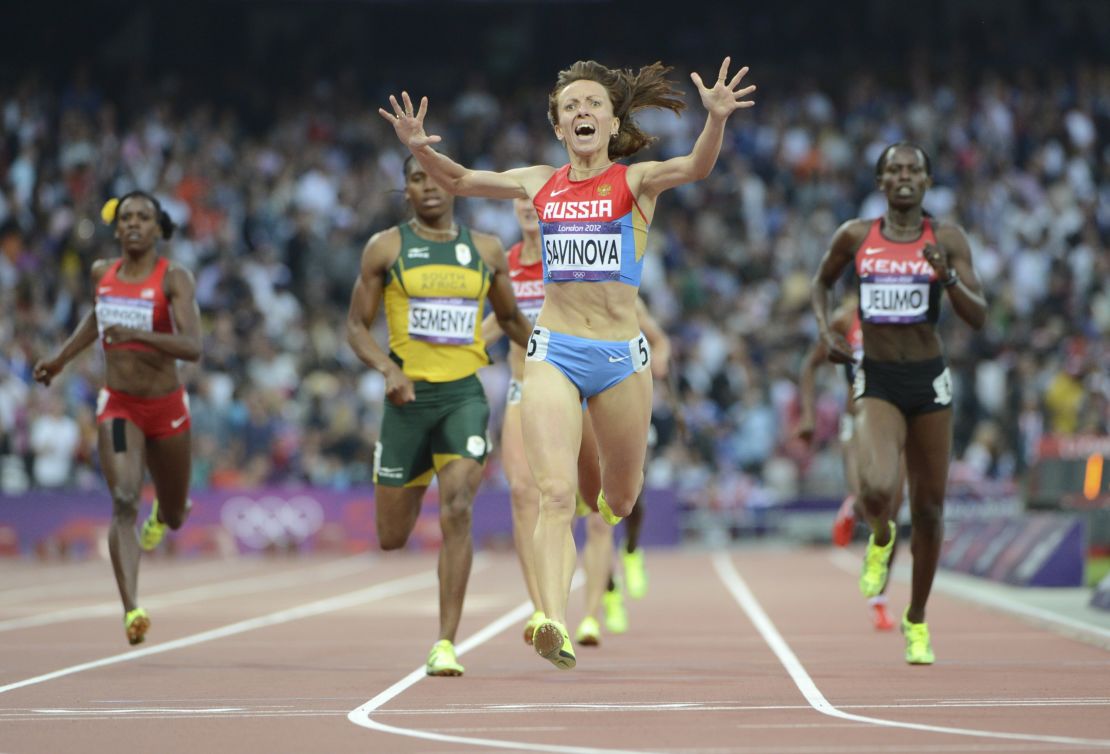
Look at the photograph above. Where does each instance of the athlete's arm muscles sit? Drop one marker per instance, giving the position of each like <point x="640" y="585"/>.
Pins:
<point x="657" y="338"/>
<point x="83" y="336"/>
<point x="518" y="183"/>
<point x="840" y="254"/>
<point x="967" y="295"/>
<point x="377" y="256"/>
<point x="184" y="342"/>
<point x="720" y="101"/>
<point x="509" y="317"/>
<point x="650" y="179"/>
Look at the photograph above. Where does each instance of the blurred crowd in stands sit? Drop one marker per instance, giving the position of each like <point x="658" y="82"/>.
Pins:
<point x="273" y="220"/>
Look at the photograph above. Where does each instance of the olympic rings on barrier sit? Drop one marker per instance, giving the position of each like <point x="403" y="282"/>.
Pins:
<point x="271" y="520"/>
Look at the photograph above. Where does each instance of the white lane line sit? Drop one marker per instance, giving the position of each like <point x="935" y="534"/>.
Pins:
<point x="248" y="585"/>
<point x="736" y="585"/>
<point x="320" y="607"/>
<point x="954" y="584"/>
<point x="362" y="715"/>
<point x="65" y="584"/>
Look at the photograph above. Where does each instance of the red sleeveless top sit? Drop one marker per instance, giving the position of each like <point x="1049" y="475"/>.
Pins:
<point x="527" y="280"/>
<point x="896" y="284"/>
<point x="140" y="306"/>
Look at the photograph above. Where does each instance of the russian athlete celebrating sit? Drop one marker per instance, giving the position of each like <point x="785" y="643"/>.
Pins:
<point x="594" y="217"/>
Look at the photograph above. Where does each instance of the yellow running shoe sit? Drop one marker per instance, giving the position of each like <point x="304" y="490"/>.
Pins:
<point x="606" y="512"/>
<point x="136" y="623"/>
<point x="153" y="530"/>
<point x="635" y="578"/>
<point x="589" y="632"/>
<point x="616" y="619"/>
<point x="581" y="507"/>
<point x="530" y="626"/>
<point x="442" y="660"/>
<point x="552" y="643"/>
<point x="919" y="649"/>
<point x="875" y="561"/>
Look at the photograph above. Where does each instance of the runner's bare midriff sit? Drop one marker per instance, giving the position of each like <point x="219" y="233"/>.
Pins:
<point x="141" y="373"/>
<point x="601" y="311"/>
<point x="901" y="343"/>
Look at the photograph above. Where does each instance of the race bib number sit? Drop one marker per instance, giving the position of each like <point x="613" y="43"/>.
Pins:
<point x="582" y="251"/>
<point x="895" y="301"/>
<point x="134" y="313"/>
<point x="640" y="351"/>
<point x="942" y="388"/>
<point x="537" y="344"/>
<point x="443" y="321"/>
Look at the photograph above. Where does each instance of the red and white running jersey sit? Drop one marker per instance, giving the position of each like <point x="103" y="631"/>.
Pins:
<point x="527" y="280"/>
<point x="140" y="306"/>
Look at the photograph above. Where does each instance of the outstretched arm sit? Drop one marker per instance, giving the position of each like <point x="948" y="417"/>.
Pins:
<point x="519" y="183"/>
<point x="720" y="101"/>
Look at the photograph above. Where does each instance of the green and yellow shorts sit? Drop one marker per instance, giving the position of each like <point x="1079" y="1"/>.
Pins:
<point x="447" y="421"/>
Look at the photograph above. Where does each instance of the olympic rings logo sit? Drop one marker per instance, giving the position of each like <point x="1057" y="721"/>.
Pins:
<point x="272" y="520"/>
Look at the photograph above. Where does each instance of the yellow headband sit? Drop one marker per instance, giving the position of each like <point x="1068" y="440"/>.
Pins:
<point x="108" y="211"/>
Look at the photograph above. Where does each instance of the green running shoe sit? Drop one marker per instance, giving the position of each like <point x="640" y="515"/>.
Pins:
<point x="616" y="619"/>
<point x="552" y="643"/>
<point x="530" y="626"/>
<point x="919" y="649"/>
<point x="589" y="632"/>
<point x="875" y="562"/>
<point x="150" y="536"/>
<point x="442" y="660"/>
<point x="136" y="623"/>
<point x="635" y="577"/>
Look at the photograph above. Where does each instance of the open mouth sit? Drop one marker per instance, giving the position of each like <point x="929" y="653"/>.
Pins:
<point x="585" y="129"/>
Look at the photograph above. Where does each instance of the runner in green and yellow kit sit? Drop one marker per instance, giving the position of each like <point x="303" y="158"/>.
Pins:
<point x="433" y="277"/>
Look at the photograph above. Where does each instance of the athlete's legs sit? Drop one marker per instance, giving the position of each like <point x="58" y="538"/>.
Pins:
<point x="395" y="512"/>
<point x="621" y="416"/>
<point x="896" y="508"/>
<point x="552" y="421"/>
<point x="524" y="497"/>
<point x="880" y="437"/>
<point x="121" y="446"/>
<point x="170" y="460"/>
<point x="597" y="554"/>
<point x="928" y="447"/>
<point x="458" y="483"/>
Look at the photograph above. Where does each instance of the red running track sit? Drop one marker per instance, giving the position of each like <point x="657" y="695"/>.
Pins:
<point x="751" y="651"/>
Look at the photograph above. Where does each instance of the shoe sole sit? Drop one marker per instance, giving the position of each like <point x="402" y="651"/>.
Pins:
<point x="136" y="632"/>
<point x="588" y="641"/>
<point x="548" y="642"/>
<point x="444" y="673"/>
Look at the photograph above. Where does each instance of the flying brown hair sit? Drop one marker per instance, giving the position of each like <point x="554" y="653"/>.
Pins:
<point x="629" y="92"/>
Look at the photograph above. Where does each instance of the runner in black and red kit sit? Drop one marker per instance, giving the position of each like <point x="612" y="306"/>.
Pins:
<point x="904" y="261"/>
<point x="146" y="317"/>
